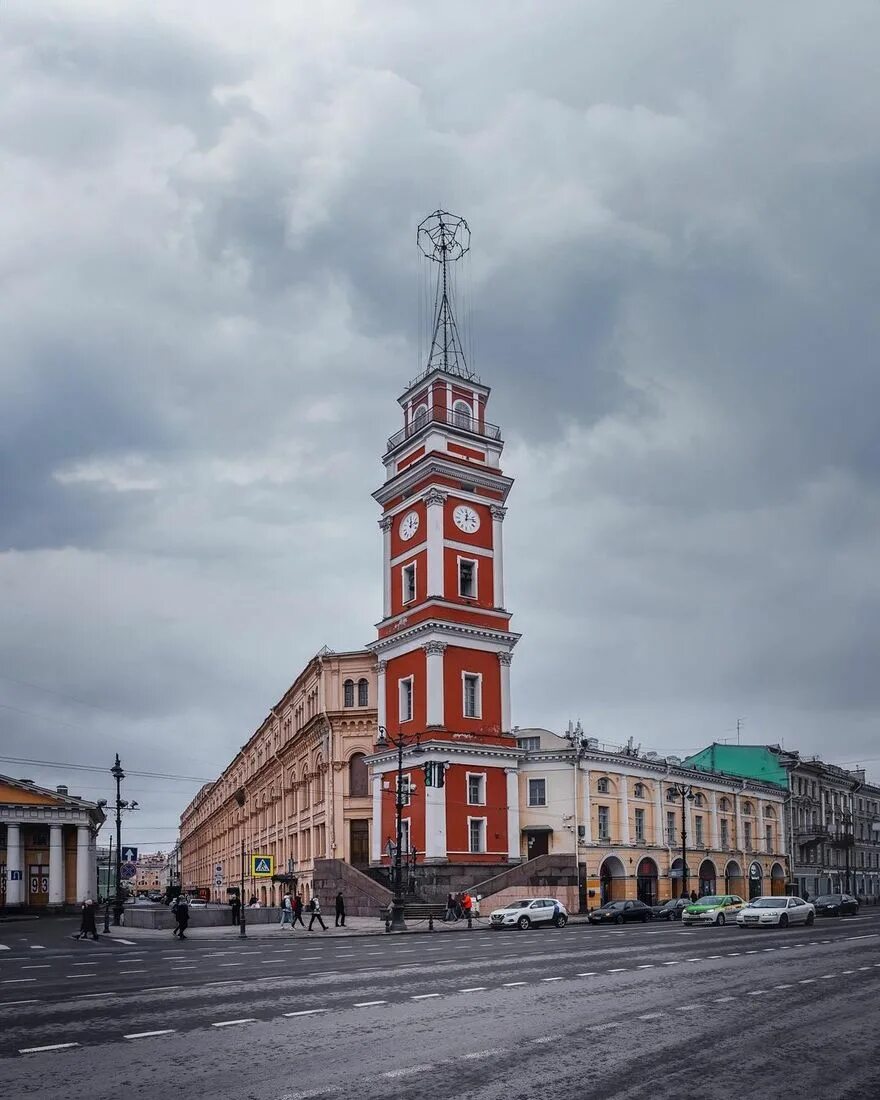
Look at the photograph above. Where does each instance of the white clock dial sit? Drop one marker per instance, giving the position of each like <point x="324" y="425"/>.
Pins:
<point x="409" y="525"/>
<point x="466" y="519"/>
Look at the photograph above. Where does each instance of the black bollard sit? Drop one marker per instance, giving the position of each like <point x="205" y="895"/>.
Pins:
<point x="430" y="922"/>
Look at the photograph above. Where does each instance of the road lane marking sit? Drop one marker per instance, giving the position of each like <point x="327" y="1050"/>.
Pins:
<point x="694" y="960"/>
<point x="52" y="1046"/>
<point x="616" y="970"/>
<point x="5" y="947"/>
<point x="474" y="989"/>
<point x="645" y="966"/>
<point x="9" y="1004"/>
<point x="160" y="988"/>
<point x="425" y="996"/>
<point x="713" y="956"/>
<point x="806" y="981"/>
<point x="34" y="947"/>
<point x="755" y="992"/>
<point x="510" y="985"/>
<point x="149" y="1034"/>
<point x="111" y="993"/>
<point x="128" y="943"/>
<point x="408" y="1071"/>
<point x="18" y="981"/>
<point x="484" y="1053"/>
<point x="230" y="964"/>
<point x="784" y="985"/>
<point x="864" y="968"/>
<point x="847" y="972"/>
<point x="588" y="974"/>
<point x="132" y="971"/>
<point x="604" y="1027"/>
<point x="225" y="981"/>
<point x="825" y="976"/>
<point x="368" y="1004"/>
<point x="183" y="967"/>
<point x="650" y="1016"/>
<point x="305" y="1012"/>
<point x="722" y="1000"/>
<point x="672" y="962"/>
<point x="688" y="1008"/>
<point x="544" y="1039"/>
<point x="37" y="966"/>
<point x="733" y="954"/>
<point x="83" y="964"/>
<point x="229" y="1023"/>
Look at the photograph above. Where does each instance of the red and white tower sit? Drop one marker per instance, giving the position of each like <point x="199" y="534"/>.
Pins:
<point x="444" y="643"/>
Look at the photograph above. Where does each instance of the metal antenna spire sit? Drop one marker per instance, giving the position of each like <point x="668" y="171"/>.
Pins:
<point x="444" y="238"/>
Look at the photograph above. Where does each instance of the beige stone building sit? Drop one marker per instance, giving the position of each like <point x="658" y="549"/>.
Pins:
<point x="622" y="812"/>
<point x="151" y="876"/>
<point x="306" y="786"/>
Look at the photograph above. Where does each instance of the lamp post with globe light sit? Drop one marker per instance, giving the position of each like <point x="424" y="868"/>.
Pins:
<point x="402" y="793"/>
<point x="685" y="792"/>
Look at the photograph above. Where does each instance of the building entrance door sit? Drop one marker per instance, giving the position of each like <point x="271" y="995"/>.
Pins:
<point x="359" y="837"/>
<point x="538" y="844"/>
<point x="38" y="884"/>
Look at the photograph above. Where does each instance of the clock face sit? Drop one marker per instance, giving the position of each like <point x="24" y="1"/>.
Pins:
<point x="409" y="525"/>
<point x="466" y="519"/>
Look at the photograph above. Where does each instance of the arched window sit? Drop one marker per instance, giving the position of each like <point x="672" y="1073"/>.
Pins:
<point x="747" y="808"/>
<point x="348" y="693"/>
<point x="699" y="800"/>
<point x="363" y="692"/>
<point x="769" y="812"/>
<point x="724" y="805"/>
<point x="639" y="790"/>
<point x="670" y="796"/>
<point x="462" y="415"/>
<point x="603" y="786"/>
<point x="319" y="781"/>
<point x="358" y="776"/>
<point x="420" y="417"/>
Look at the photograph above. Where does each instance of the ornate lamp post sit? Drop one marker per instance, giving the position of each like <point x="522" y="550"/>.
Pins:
<point x="240" y="798"/>
<point x="685" y="792"/>
<point x="121" y="804"/>
<point x="398" y="924"/>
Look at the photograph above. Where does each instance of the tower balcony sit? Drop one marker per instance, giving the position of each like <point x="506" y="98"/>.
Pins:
<point x="449" y="418"/>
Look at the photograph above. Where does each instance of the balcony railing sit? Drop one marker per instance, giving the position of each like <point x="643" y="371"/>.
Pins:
<point x="452" y="418"/>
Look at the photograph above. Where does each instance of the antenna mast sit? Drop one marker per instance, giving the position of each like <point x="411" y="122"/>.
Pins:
<point x="444" y="238"/>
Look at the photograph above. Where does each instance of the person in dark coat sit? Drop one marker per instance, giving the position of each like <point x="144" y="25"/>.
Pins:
<point x="298" y="911"/>
<point x="87" y="925"/>
<point x="235" y="905"/>
<point x="340" y="910"/>
<point x="315" y="910"/>
<point x="182" y="913"/>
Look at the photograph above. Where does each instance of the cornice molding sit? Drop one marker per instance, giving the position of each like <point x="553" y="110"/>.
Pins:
<point x="435" y="466"/>
<point x="450" y="630"/>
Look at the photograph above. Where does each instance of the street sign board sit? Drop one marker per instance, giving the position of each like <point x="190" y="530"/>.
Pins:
<point x="218" y="880"/>
<point x="128" y="870"/>
<point x="218" y="868"/>
<point x="15" y="876"/>
<point x="262" y="866"/>
<point x="130" y="855"/>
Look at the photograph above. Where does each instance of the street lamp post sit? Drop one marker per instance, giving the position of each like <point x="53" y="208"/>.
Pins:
<point x="846" y="840"/>
<point x="685" y="792"/>
<point x="118" y="774"/>
<point x="398" y="906"/>
<point x="578" y="741"/>
<point x="242" y="919"/>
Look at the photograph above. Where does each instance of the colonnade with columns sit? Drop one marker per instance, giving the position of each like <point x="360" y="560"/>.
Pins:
<point x="37" y="839"/>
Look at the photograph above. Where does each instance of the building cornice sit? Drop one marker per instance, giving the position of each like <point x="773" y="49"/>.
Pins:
<point x="434" y="465"/>
<point x="449" y="630"/>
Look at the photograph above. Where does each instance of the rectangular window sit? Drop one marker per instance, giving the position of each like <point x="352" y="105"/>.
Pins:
<point x="747" y="835"/>
<point x="477" y="834"/>
<point x="467" y="578"/>
<point x="640" y="826"/>
<point x="670" y="829"/>
<point x="472" y="695"/>
<point x="406" y="699"/>
<point x="408" y="579"/>
<point x="698" y="831"/>
<point x="529" y="744"/>
<point x="769" y="837"/>
<point x="403" y="786"/>
<point x="604" y="823"/>
<point x="725" y="833"/>
<point x="537" y="792"/>
<point x="476" y="788"/>
<point x="404" y="834"/>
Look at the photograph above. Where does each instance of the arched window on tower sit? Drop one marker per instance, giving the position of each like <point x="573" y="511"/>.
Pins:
<point x="348" y="693"/>
<point x="363" y="692"/>
<point x="420" y="417"/>
<point x="462" y="415"/>
<point x="358" y="776"/>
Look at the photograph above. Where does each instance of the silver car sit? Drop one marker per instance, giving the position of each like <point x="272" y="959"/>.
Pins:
<point x="775" y="912"/>
<point x="526" y="912"/>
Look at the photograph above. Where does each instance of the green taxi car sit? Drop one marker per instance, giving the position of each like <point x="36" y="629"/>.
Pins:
<point x="714" y="909"/>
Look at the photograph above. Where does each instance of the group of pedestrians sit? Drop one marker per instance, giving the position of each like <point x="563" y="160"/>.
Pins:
<point x="458" y="906"/>
<point x="292" y="912"/>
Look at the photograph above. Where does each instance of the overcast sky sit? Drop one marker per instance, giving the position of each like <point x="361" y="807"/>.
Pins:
<point x="209" y="307"/>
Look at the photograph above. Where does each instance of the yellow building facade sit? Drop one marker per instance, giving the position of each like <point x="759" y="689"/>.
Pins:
<point x="633" y="818"/>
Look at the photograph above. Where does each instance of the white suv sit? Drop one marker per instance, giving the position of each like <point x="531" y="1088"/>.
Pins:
<point x="523" y="914"/>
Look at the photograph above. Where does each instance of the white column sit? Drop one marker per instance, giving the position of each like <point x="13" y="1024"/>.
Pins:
<point x="740" y="845"/>
<point x="385" y="525"/>
<point x="587" y="822"/>
<point x="498" y="514"/>
<point x="504" y="660"/>
<point x="380" y="693"/>
<point x="623" y="808"/>
<point x="14" y="887"/>
<point x="434" y="502"/>
<point x="434" y="666"/>
<point x="376" y="831"/>
<point x="435" y="823"/>
<point x="85" y="882"/>
<point x="513" y="845"/>
<point x="660" y="826"/>
<point x="56" y="865"/>
<point x="715" y="836"/>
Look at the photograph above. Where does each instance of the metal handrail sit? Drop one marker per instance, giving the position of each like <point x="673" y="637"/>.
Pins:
<point x="454" y="419"/>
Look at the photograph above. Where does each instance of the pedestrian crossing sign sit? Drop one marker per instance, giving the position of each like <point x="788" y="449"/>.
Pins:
<point x="262" y="866"/>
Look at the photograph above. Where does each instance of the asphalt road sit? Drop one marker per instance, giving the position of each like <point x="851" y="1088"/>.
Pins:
<point x="647" y="1010"/>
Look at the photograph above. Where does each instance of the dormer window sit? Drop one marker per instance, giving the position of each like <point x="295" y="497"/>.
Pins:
<point x="462" y="415"/>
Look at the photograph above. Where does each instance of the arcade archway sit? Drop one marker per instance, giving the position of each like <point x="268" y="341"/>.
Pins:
<point x="777" y="880"/>
<point x="707" y="878"/>
<point x="612" y="879"/>
<point x="733" y="879"/>
<point x="646" y="881"/>
<point x="756" y="880"/>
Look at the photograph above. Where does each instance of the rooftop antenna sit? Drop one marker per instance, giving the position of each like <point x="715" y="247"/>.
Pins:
<point x="444" y="238"/>
<point x="739" y="726"/>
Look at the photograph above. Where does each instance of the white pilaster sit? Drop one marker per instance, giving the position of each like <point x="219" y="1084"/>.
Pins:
<point x="385" y="524"/>
<point x="740" y="844"/>
<point x="659" y="810"/>
<point x="715" y="835"/>
<point x="93" y="867"/>
<point x="435" y="823"/>
<point x="380" y="693"/>
<point x="504" y="660"/>
<point x="14" y="888"/>
<point x="56" y="865"/>
<point x="376" y="831"/>
<point x="85" y="885"/>
<point x="513" y="843"/>
<point x="434" y="667"/>
<point x="587" y="822"/>
<point x="624" y="810"/>
<point x="434" y="502"/>
<point x="498" y="514"/>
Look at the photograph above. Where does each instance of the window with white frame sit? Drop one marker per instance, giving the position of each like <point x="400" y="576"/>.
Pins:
<point x="462" y="414"/>
<point x="363" y="692"/>
<point x="476" y="834"/>
<point x="670" y="828"/>
<point x="725" y="832"/>
<point x="472" y="694"/>
<point x="405" y="834"/>
<point x="420" y="417"/>
<point x="408" y="582"/>
<point x="467" y="578"/>
<point x="603" y="786"/>
<point x="401" y="784"/>
<point x="405" y="688"/>
<point x="476" y="788"/>
<point x="604" y="821"/>
<point x="348" y="693"/>
<point x="768" y="836"/>
<point x="529" y="744"/>
<point x="640" y="826"/>
<point x="537" y="792"/>
<point x="698" y="831"/>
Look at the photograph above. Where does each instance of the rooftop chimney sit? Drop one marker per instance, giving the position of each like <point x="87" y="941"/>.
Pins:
<point x="61" y="790"/>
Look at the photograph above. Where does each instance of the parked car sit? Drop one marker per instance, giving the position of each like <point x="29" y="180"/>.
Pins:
<point x="197" y="903"/>
<point x="616" y="912"/>
<point x="775" y="912"/>
<point x="525" y="912"/>
<point x="836" y="905"/>
<point x="670" y="910"/>
<point x="712" y="909"/>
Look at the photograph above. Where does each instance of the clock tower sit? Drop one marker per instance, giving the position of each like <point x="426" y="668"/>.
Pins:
<point x="444" y="643"/>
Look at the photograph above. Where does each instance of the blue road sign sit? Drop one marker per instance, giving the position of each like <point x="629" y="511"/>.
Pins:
<point x="262" y="866"/>
<point x="15" y="876"/>
<point x="128" y="870"/>
<point x="130" y="855"/>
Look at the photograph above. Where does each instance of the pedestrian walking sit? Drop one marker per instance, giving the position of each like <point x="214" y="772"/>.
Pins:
<point x="87" y="926"/>
<point x="298" y="911"/>
<point x="253" y="903"/>
<point x="466" y="905"/>
<point x="315" y="910"/>
<point x="449" y="915"/>
<point x="181" y="910"/>
<point x="340" y="910"/>
<point x="286" y="913"/>
<point x="235" y="905"/>
<point x="694" y="897"/>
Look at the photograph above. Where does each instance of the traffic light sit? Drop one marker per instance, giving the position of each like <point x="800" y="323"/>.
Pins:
<point x="435" y="773"/>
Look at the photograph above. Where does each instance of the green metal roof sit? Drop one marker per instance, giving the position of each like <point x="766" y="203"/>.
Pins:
<point x="749" y="761"/>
